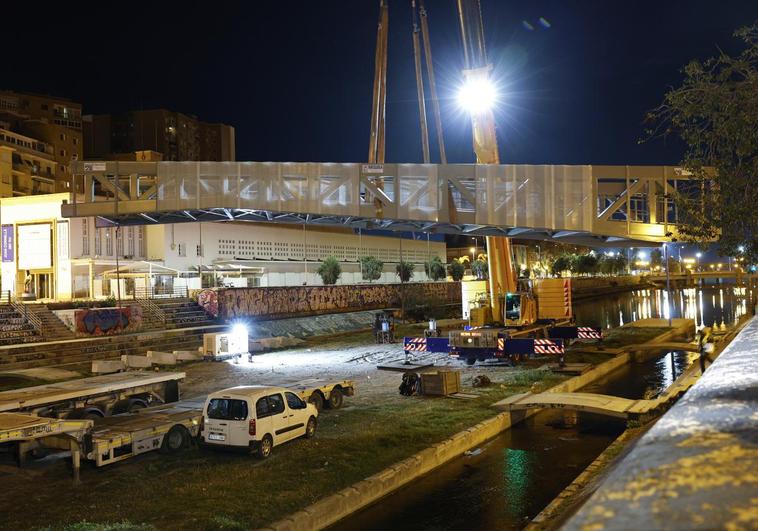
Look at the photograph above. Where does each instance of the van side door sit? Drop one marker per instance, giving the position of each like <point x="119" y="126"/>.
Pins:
<point x="282" y="418"/>
<point x="264" y="422"/>
<point x="299" y="413"/>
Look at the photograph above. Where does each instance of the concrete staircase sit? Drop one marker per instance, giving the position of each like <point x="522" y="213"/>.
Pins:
<point x="181" y="312"/>
<point x="15" y="328"/>
<point x="84" y="350"/>
<point x="52" y="327"/>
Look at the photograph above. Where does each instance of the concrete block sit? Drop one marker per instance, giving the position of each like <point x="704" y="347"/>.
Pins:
<point x="107" y="366"/>
<point x="161" y="358"/>
<point x="271" y="342"/>
<point x="136" y="362"/>
<point x="254" y="346"/>
<point x="187" y="355"/>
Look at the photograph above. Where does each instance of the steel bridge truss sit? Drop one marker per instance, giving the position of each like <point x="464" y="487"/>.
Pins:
<point x="589" y="205"/>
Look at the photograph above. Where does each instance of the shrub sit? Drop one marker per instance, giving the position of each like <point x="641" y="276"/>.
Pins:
<point x="435" y="269"/>
<point x="404" y="270"/>
<point x="329" y="270"/>
<point x="479" y="269"/>
<point x="371" y="268"/>
<point x="456" y="270"/>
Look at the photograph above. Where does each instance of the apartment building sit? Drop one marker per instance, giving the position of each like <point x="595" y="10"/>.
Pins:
<point x="175" y="135"/>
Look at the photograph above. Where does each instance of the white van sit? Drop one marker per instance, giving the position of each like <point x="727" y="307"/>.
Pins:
<point x="257" y="417"/>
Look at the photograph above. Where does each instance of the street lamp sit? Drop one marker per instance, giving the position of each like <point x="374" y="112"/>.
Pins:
<point x="472" y="250"/>
<point x="698" y="255"/>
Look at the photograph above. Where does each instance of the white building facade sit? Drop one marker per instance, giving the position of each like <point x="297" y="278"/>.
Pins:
<point x="47" y="257"/>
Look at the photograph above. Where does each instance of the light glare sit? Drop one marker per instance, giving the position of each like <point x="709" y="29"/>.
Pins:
<point x="477" y="95"/>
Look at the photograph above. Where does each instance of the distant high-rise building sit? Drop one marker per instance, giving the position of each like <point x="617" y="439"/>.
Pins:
<point x="175" y="135"/>
<point x="54" y="121"/>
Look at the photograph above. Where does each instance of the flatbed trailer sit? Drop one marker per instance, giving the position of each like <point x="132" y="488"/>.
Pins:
<point x="511" y="343"/>
<point x="323" y="393"/>
<point x="94" y="397"/>
<point x="167" y="428"/>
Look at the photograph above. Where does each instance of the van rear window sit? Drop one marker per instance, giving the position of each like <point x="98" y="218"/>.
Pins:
<point x="227" y="409"/>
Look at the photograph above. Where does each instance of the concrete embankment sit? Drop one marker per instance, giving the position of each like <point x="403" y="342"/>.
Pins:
<point x="359" y="495"/>
<point x="695" y="468"/>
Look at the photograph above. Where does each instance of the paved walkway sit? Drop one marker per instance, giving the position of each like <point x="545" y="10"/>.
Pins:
<point x="697" y="468"/>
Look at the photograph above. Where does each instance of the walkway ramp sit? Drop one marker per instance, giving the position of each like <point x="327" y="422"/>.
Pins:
<point x="612" y="406"/>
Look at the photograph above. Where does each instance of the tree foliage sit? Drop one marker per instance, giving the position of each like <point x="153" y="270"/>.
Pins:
<point x="456" y="270"/>
<point x="404" y="270"/>
<point x="560" y="264"/>
<point x="435" y="269"/>
<point x="479" y="269"/>
<point x="371" y="268"/>
<point x="715" y="113"/>
<point x="329" y="270"/>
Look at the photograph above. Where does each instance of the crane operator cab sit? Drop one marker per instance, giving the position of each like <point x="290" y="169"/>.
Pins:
<point x="519" y="307"/>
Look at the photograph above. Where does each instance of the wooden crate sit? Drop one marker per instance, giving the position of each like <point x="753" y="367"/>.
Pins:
<point x="441" y="383"/>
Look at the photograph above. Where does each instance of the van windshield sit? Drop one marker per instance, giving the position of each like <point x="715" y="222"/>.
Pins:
<point x="227" y="409"/>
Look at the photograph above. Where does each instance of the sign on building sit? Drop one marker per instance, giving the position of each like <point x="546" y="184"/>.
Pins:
<point x="35" y="246"/>
<point x="7" y="243"/>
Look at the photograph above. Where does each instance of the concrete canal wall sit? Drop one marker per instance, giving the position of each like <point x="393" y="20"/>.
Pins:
<point x="696" y="467"/>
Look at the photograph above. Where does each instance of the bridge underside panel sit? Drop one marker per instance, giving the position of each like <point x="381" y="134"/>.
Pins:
<point x="559" y="203"/>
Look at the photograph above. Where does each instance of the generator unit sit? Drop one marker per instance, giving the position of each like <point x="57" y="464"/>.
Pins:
<point x="225" y="345"/>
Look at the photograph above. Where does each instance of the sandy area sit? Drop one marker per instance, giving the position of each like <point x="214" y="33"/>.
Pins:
<point x="353" y="356"/>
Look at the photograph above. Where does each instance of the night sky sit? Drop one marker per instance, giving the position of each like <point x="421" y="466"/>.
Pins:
<point x="294" y="78"/>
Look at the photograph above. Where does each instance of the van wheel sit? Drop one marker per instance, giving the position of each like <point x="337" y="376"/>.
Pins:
<point x="335" y="399"/>
<point x="310" y="428"/>
<point x="317" y="399"/>
<point x="176" y="439"/>
<point x="265" y="447"/>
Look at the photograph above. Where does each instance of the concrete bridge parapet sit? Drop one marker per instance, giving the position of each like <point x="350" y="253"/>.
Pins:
<point x="696" y="468"/>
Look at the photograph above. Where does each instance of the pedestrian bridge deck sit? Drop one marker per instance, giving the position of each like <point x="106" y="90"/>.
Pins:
<point x="611" y="406"/>
<point x="582" y="204"/>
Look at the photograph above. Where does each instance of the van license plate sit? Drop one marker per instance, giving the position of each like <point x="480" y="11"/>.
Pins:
<point x="216" y="437"/>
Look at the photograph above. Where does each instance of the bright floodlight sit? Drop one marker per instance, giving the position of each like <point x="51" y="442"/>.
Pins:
<point x="642" y="255"/>
<point x="477" y="95"/>
<point x="239" y="329"/>
<point x="698" y="254"/>
<point x="741" y="248"/>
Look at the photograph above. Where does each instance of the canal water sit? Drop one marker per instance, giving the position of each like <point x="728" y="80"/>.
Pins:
<point x="512" y="478"/>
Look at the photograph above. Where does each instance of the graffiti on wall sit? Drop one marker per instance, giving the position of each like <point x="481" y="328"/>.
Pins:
<point x="108" y="321"/>
<point x="312" y="300"/>
<point x="208" y="299"/>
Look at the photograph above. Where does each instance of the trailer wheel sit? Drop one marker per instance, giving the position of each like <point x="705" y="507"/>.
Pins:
<point x="265" y="447"/>
<point x="176" y="439"/>
<point x="310" y="428"/>
<point x="86" y="414"/>
<point x="136" y="405"/>
<point x="335" y="399"/>
<point x="317" y="399"/>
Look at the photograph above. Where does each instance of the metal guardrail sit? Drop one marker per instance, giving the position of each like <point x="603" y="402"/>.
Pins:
<point x="29" y="317"/>
<point x="5" y="297"/>
<point x="161" y="292"/>
<point x="152" y="310"/>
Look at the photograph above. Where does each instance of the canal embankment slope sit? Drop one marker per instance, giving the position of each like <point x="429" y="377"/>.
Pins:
<point x="696" y="467"/>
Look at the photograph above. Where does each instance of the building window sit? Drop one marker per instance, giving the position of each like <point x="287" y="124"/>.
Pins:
<point x="63" y="152"/>
<point x="130" y="241"/>
<point x="63" y="136"/>
<point x="120" y="242"/>
<point x="199" y="249"/>
<point x="98" y="242"/>
<point x="141" y="241"/>
<point x="85" y="237"/>
<point x="182" y="249"/>
<point x="108" y="242"/>
<point x="76" y="141"/>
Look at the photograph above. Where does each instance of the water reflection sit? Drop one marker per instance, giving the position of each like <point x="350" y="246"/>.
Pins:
<point x="707" y="305"/>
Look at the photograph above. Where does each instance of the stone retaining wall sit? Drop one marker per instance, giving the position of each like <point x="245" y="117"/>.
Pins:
<point x="283" y="302"/>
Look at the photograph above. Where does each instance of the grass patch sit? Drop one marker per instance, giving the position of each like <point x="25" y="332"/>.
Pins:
<point x="632" y="335"/>
<point x="9" y="382"/>
<point x="226" y="490"/>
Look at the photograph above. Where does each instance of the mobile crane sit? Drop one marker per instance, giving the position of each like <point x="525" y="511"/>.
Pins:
<point x="512" y="308"/>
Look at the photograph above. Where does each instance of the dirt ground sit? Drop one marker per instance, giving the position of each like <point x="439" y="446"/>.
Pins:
<point x="353" y="356"/>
